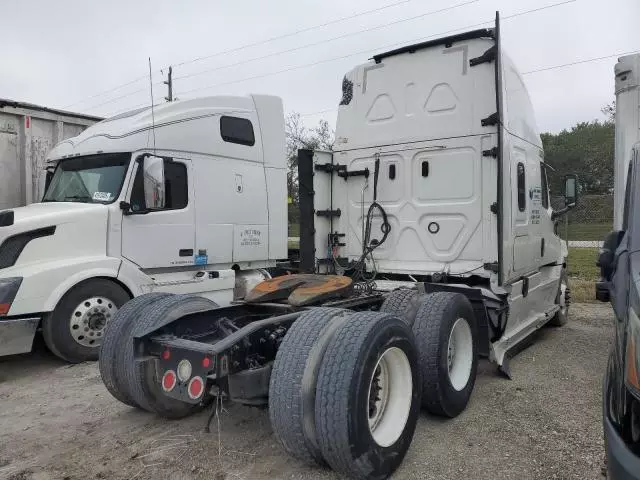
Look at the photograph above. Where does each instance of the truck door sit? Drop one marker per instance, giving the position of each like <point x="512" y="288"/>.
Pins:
<point x="164" y="237"/>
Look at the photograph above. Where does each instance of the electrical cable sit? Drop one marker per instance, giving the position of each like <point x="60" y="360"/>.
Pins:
<point x="529" y="72"/>
<point x="361" y="52"/>
<point x="248" y="45"/>
<point x="339" y="37"/>
<point x="359" y="267"/>
<point x="280" y="52"/>
<point x="368" y="50"/>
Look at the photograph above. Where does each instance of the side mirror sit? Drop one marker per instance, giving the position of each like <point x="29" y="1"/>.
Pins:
<point x="570" y="189"/>
<point x="570" y="195"/>
<point x="607" y="255"/>
<point x="153" y="177"/>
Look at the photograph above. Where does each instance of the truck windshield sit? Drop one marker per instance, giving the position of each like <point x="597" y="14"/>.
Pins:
<point x="89" y="179"/>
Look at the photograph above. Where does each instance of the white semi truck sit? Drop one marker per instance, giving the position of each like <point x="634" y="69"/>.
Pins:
<point x="187" y="198"/>
<point x="427" y="241"/>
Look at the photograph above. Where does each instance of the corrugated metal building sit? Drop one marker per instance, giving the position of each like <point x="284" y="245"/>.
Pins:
<point x="27" y="133"/>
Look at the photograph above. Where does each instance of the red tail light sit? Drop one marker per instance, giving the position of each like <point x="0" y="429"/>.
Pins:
<point x="169" y="380"/>
<point x="196" y="388"/>
<point x="206" y="362"/>
<point x="166" y="355"/>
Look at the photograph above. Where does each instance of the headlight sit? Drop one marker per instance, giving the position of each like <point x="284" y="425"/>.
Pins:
<point x="632" y="361"/>
<point x="8" y="290"/>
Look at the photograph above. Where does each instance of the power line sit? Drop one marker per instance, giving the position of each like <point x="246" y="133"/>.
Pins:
<point x="367" y="51"/>
<point x="134" y="92"/>
<point x="248" y="45"/>
<point x="291" y="34"/>
<point x="538" y="70"/>
<point x="100" y="94"/>
<point x="339" y="37"/>
<point x="543" y="69"/>
<point x="115" y="99"/>
<point x="578" y="62"/>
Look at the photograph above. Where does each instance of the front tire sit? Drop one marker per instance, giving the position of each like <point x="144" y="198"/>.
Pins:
<point x="447" y="336"/>
<point x="368" y="396"/>
<point x="563" y="298"/>
<point x="75" y="329"/>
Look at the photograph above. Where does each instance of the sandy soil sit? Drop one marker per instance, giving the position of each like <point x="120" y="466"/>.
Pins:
<point x="58" y="422"/>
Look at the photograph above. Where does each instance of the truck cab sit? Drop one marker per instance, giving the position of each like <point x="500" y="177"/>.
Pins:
<point x="186" y="197"/>
<point x="441" y="137"/>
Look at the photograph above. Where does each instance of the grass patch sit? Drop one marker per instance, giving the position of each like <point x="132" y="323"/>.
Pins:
<point x="294" y="229"/>
<point x="585" y="231"/>
<point x="583" y="274"/>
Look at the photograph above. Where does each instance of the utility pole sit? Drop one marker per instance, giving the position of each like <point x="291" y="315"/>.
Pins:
<point x="169" y="83"/>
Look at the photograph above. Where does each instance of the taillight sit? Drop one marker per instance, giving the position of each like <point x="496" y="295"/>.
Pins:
<point x="166" y="355"/>
<point x="169" y="380"/>
<point x="196" y="388"/>
<point x="206" y="362"/>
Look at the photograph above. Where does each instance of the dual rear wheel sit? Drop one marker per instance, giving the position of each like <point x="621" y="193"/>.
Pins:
<point x="132" y="381"/>
<point x="346" y="388"/>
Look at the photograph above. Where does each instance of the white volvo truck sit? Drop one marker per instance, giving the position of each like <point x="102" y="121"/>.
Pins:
<point x="189" y="197"/>
<point x="427" y="240"/>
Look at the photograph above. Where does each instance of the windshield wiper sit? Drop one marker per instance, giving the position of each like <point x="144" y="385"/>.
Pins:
<point x="81" y="198"/>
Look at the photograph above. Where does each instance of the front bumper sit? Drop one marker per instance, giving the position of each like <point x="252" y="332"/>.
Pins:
<point x="16" y="334"/>
<point x="623" y="464"/>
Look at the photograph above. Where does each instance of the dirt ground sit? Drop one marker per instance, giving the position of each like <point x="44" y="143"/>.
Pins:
<point x="58" y="422"/>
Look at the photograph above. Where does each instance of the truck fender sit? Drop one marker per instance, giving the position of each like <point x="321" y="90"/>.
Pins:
<point x="72" y="281"/>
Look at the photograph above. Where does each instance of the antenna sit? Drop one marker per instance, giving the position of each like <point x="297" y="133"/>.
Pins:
<point x="153" y="117"/>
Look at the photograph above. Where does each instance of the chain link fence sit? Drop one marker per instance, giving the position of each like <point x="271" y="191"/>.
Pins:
<point x="588" y="223"/>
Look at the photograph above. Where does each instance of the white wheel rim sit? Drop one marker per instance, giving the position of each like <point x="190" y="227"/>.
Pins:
<point x="390" y="397"/>
<point x="563" y="297"/>
<point x="460" y="354"/>
<point x="89" y="320"/>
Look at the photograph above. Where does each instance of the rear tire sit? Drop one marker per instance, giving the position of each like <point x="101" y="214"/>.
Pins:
<point x="563" y="298"/>
<point x="293" y="380"/>
<point x="368" y="396"/>
<point x="403" y="303"/>
<point x="75" y="329"/>
<point x="138" y="379"/>
<point x="447" y="335"/>
<point x="110" y="345"/>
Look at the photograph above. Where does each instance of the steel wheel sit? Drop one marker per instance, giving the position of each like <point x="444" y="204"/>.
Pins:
<point x="89" y="319"/>
<point x="565" y="297"/>
<point x="390" y="392"/>
<point x="460" y="354"/>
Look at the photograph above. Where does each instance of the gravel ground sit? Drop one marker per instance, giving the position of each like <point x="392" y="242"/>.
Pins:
<point x="58" y="422"/>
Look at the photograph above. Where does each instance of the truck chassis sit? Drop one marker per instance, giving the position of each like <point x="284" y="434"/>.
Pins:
<point x="344" y="377"/>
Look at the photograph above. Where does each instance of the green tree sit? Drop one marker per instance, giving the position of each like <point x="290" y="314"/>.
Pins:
<point x="586" y="149"/>
<point x="299" y="136"/>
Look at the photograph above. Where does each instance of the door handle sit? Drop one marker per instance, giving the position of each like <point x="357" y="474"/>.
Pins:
<point x="186" y="252"/>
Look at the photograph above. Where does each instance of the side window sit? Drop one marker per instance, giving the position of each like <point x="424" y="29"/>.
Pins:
<point x="627" y="198"/>
<point x="522" y="196"/>
<point x="545" y="186"/>
<point x="176" y="187"/>
<point x="237" y="130"/>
